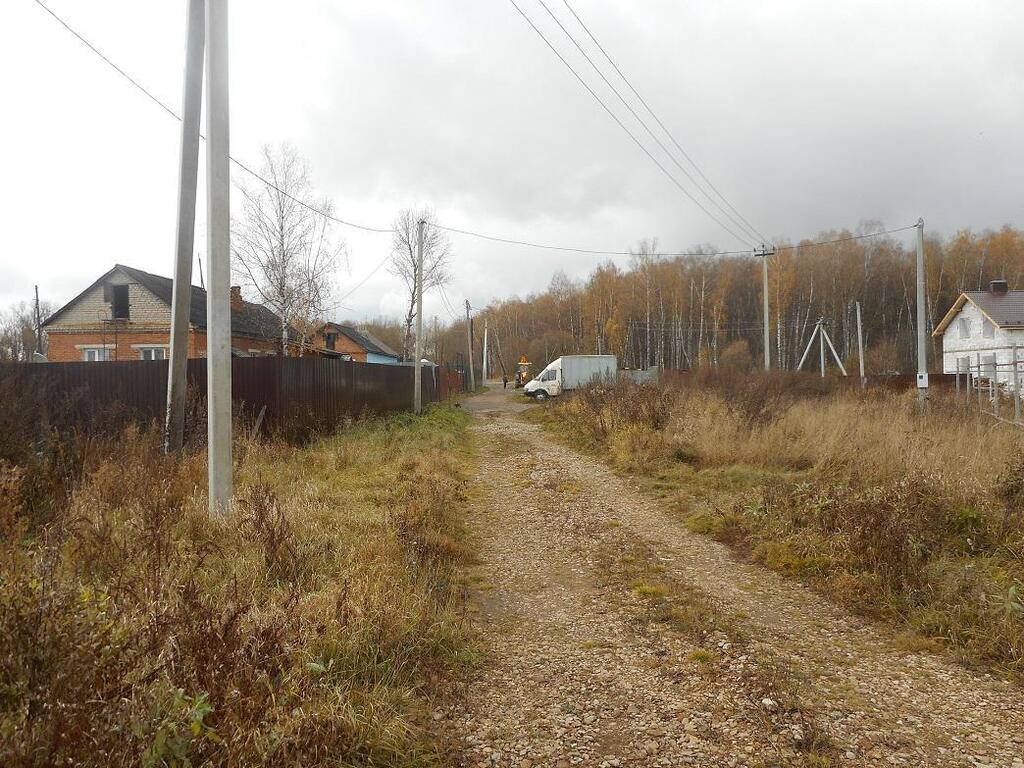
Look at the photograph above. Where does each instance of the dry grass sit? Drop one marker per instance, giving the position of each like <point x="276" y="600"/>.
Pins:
<point x="310" y="626"/>
<point x="917" y="519"/>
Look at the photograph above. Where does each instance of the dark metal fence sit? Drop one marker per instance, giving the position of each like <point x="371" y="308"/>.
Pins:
<point x="297" y="392"/>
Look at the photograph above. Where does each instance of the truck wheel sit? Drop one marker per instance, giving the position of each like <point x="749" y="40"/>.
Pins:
<point x="541" y="395"/>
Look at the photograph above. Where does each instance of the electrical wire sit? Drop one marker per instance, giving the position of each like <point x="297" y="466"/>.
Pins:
<point x="454" y="230"/>
<point x="446" y="303"/>
<point x="622" y="125"/>
<point x="643" y="123"/>
<point x="570" y="249"/>
<point x="177" y="117"/>
<point x="662" y="125"/>
<point x="362" y="282"/>
<point x="844" y="239"/>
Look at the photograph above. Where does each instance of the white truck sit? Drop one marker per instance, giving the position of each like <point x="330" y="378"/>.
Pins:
<point x="570" y="372"/>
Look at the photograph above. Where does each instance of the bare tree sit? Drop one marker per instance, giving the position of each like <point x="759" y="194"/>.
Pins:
<point x="18" y="331"/>
<point x="436" y="258"/>
<point x="283" y="250"/>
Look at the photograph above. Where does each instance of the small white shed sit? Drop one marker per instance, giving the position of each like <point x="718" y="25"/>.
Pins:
<point x="985" y="327"/>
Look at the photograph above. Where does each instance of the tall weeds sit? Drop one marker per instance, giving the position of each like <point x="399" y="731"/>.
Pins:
<point x="916" y="518"/>
<point x="307" y="627"/>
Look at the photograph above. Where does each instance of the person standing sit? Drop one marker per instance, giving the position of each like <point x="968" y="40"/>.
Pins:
<point x="504" y="381"/>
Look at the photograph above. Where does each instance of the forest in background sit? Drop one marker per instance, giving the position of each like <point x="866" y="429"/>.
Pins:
<point x="686" y="312"/>
<point x="691" y="311"/>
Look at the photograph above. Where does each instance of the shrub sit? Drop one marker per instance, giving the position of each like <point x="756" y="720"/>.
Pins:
<point x="304" y="627"/>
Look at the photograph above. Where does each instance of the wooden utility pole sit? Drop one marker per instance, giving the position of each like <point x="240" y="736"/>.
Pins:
<point x="39" y="330"/>
<point x="417" y="378"/>
<point x="188" y="173"/>
<point x="469" y="346"/>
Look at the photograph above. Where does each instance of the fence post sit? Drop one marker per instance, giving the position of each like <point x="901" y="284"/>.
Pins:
<point x="993" y="385"/>
<point x="958" y="379"/>
<point x="977" y="382"/>
<point x="1016" y="387"/>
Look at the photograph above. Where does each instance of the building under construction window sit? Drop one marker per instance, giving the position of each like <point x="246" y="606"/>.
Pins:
<point x="119" y="308"/>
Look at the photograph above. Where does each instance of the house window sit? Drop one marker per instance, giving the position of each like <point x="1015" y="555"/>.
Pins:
<point x="152" y="353"/>
<point x="119" y="308"/>
<point x="330" y="339"/>
<point x="95" y="354"/>
<point x="988" y="330"/>
<point x="965" y="328"/>
<point x="988" y="367"/>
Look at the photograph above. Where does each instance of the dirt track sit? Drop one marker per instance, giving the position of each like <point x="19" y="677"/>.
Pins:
<point x="583" y="669"/>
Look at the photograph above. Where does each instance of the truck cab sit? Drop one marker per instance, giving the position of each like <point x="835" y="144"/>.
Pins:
<point x="547" y="383"/>
<point x="570" y="372"/>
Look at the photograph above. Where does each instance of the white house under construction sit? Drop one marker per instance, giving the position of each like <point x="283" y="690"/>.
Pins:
<point x="984" y="331"/>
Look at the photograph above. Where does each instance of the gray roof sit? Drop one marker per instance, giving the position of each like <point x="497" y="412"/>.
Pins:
<point x="254" y="320"/>
<point x="365" y="340"/>
<point x="382" y="348"/>
<point x="1006" y="311"/>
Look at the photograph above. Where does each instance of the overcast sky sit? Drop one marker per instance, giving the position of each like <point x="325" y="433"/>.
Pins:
<point x="807" y="115"/>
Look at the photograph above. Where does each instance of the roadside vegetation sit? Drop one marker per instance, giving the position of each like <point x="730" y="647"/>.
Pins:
<point x="914" y="519"/>
<point x="313" y="625"/>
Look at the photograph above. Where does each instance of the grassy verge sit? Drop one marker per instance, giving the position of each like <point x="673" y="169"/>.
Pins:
<point x="918" y="520"/>
<point x="313" y="625"/>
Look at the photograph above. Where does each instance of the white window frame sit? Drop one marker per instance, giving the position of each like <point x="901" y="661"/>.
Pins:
<point x="965" y="327"/>
<point x="988" y="330"/>
<point x="85" y="349"/>
<point x="144" y="348"/>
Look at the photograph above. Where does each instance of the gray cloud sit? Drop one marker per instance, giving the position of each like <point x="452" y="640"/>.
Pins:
<point x="808" y="115"/>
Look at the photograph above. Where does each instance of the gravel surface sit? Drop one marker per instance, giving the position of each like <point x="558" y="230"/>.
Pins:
<point x="580" y="671"/>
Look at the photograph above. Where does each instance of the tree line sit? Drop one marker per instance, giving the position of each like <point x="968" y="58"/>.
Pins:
<point x="686" y="312"/>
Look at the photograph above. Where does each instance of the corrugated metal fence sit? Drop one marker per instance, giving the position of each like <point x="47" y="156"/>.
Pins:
<point x="297" y="392"/>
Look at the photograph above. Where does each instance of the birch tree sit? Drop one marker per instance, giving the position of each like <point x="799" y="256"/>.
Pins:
<point x="285" y="251"/>
<point x="436" y="261"/>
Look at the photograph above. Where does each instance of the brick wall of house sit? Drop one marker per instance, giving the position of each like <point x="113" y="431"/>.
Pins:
<point x="143" y="307"/>
<point x="342" y="344"/>
<point x="65" y="346"/>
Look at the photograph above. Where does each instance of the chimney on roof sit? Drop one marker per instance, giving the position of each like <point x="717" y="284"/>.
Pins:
<point x="236" y="298"/>
<point x="998" y="287"/>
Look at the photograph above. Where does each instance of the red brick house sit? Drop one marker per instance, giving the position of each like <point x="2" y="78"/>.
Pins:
<point x="126" y="315"/>
<point x="358" y="345"/>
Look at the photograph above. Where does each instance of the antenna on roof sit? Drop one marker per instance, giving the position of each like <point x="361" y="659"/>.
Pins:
<point x="201" y="283"/>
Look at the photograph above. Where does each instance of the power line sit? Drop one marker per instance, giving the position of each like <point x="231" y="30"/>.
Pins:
<point x="466" y="232"/>
<point x="622" y="125"/>
<point x="661" y="124"/>
<point x="177" y="117"/>
<point x="671" y="156"/>
<point x="570" y="249"/>
<point x="360" y="284"/>
<point x="446" y="303"/>
<point x="844" y="239"/>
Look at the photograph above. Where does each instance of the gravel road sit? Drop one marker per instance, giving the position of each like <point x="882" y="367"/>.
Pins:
<point x="580" y="669"/>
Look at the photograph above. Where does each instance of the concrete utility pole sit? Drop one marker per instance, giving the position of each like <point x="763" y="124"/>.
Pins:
<point x="922" y="349"/>
<point x="188" y="173"/>
<point x="469" y="346"/>
<point x="483" y="365"/>
<point x="821" y="347"/>
<point x="860" y="349"/>
<point x="218" y="250"/>
<point x="764" y="252"/>
<point x="417" y="378"/>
